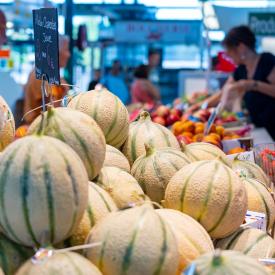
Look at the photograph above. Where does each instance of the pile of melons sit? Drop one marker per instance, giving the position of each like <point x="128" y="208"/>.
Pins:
<point x="87" y="192"/>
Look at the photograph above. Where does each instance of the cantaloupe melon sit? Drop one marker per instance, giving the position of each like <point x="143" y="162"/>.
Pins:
<point x="64" y="263"/>
<point x="197" y="151"/>
<point x="249" y="169"/>
<point x="145" y="131"/>
<point x="211" y="193"/>
<point x="134" y="241"/>
<point x="250" y="241"/>
<point x="226" y="263"/>
<point x="123" y="187"/>
<point x="43" y="191"/>
<point x="12" y="255"/>
<point x="155" y="168"/>
<point x="100" y="204"/>
<point x="79" y="131"/>
<point x="260" y="200"/>
<point x="192" y="239"/>
<point x="7" y="126"/>
<point x="115" y="158"/>
<point x="108" y="111"/>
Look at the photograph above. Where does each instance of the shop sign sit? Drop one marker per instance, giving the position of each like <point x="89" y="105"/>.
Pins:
<point x="187" y="32"/>
<point x="45" y="24"/>
<point x="262" y="23"/>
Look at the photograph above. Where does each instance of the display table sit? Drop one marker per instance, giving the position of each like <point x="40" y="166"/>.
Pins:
<point x="260" y="135"/>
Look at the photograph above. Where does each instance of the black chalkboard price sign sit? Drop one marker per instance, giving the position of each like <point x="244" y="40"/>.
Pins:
<point x="45" y="25"/>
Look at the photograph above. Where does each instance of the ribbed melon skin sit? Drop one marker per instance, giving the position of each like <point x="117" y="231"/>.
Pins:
<point x="197" y="151"/>
<point x="260" y="200"/>
<point x="65" y="263"/>
<point x="115" y="158"/>
<point x="250" y="241"/>
<point x="43" y="191"/>
<point x="12" y="255"/>
<point x="249" y="169"/>
<point x="145" y="131"/>
<point x="7" y="125"/>
<point x="122" y="186"/>
<point x="192" y="239"/>
<point x="108" y="111"/>
<point x="228" y="263"/>
<point x="154" y="170"/>
<point x="134" y="241"/>
<point x="79" y="131"/>
<point x="211" y="193"/>
<point x="100" y="204"/>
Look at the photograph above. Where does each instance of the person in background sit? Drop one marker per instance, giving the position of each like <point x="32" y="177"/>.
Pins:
<point x="153" y="64"/>
<point x="142" y="89"/>
<point x="96" y="80"/>
<point x="3" y="22"/>
<point x="32" y="89"/>
<point x="115" y="83"/>
<point x="253" y="79"/>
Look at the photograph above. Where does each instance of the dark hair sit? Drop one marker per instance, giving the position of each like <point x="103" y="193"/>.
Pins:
<point x="142" y="72"/>
<point x="153" y="51"/>
<point x="241" y="34"/>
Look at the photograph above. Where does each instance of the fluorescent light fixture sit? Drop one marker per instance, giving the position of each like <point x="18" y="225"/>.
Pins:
<point x="178" y="14"/>
<point x="112" y="1"/>
<point x="216" y="35"/>
<point x="242" y="3"/>
<point x="9" y="25"/>
<point x="129" y="1"/>
<point x="88" y="1"/>
<point x="57" y="1"/>
<point x="6" y="1"/>
<point x="171" y="3"/>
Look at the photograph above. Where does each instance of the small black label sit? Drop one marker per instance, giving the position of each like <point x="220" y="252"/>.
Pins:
<point x="45" y="25"/>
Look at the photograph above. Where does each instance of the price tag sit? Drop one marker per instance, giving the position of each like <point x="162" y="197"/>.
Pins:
<point x="212" y="119"/>
<point x="45" y="25"/>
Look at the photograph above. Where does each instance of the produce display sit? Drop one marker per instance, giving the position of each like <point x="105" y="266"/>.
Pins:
<point x="77" y="130"/>
<point x="260" y="200"/>
<point x="44" y="191"/>
<point x="122" y="186"/>
<point x="60" y="263"/>
<point x="156" y="205"/>
<point x="7" y="126"/>
<point x="155" y="168"/>
<point x="252" y="242"/>
<point x="115" y="158"/>
<point x="229" y="263"/>
<point x="136" y="241"/>
<point x="211" y="193"/>
<point x="100" y="203"/>
<point x="145" y="131"/>
<point x="108" y="111"/>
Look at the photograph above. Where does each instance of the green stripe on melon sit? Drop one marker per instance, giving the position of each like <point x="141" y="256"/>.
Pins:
<point x="60" y="263"/>
<point x="12" y="255"/>
<point x="155" y="168"/>
<point x="197" y="151"/>
<point x="250" y="241"/>
<point x="211" y="193"/>
<point x="43" y="186"/>
<point x="134" y="241"/>
<point x="79" y="131"/>
<point x="144" y="131"/>
<point x="229" y="263"/>
<point x="100" y="204"/>
<point x="108" y="111"/>
<point x="192" y="238"/>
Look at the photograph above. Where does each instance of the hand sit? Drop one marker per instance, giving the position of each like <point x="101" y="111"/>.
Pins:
<point x="245" y="85"/>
